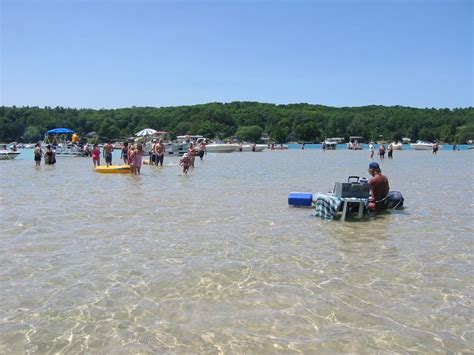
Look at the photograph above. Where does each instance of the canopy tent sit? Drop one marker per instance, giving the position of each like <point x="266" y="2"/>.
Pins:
<point x="60" y="131"/>
<point x="146" y="132"/>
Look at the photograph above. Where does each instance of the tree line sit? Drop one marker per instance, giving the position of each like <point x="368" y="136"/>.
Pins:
<point x="246" y="121"/>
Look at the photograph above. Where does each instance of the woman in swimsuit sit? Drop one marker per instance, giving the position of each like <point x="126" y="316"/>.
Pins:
<point x="49" y="156"/>
<point x="137" y="159"/>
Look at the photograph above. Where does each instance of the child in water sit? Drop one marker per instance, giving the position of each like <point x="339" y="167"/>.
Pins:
<point x="96" y="155"/>
<point x="124" y="153"/>
<point x="185" y="162"/>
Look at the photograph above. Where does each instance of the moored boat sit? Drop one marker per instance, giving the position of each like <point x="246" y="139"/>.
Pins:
<point x="252" y="147"/>
<point x="222" y="147"/>
<point x="330" y="144"/>
<point x="422" y="145"/>
<point x="63" y="147"/>
<point x="355" y="143"/>
<point x="397" y="146"/>
<point x="6" y="154"/>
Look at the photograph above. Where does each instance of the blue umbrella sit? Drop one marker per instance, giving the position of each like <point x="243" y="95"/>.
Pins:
<point x="60" y="131"/>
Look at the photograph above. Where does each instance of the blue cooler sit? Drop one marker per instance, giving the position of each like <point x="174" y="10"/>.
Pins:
<point x="300" y="199"/>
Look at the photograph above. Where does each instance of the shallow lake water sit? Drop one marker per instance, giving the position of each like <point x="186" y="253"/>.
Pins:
<point x="216" y="261"/>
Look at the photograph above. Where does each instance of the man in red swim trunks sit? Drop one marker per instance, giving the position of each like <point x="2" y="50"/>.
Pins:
<point x="379" y="187"/>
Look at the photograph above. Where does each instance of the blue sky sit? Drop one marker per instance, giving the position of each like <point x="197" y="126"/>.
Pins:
<point x="109" y="54"/>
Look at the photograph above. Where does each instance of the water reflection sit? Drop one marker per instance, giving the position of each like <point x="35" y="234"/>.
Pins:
<point x="217" y="262"/>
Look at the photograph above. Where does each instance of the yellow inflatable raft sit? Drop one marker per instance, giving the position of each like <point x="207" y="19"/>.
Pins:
<point x="114" y="169"/>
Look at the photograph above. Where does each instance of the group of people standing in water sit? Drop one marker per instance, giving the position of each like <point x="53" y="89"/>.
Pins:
<point x="381" y="151"/>
<point x="130" y="154"/>
<point x="49" y="155"/>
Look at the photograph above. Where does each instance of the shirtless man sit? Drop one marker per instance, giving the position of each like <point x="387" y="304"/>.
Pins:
<point x="379" y="187"/>
<point x="159" y="151"/>
<point x="108" y="149"/>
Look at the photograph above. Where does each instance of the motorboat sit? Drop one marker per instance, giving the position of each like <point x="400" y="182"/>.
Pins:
<point x="330" y="144"/>
<point x="422" y="145"/>
<point x="58" y="139"/>
<point x="252" y="147"/>
<point x="7" y="154"/>
<point x="69" y="150"/>
<point x="354" y="143"/>
<point x="181" y="146"/>
<point x="397" y="146"/>
<point x="222" y="147"/>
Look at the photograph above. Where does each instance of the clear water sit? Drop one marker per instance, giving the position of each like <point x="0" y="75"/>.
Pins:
<point x="217" y="262"/>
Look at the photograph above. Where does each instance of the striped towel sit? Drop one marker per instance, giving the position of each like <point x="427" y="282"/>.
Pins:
<point x="327" y="206"/>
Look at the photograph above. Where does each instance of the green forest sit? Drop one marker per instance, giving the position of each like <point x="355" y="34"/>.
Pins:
<point x="246" y="121"/>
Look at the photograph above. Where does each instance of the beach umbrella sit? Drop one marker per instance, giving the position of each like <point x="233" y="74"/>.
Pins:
<point x="146" y="132"/>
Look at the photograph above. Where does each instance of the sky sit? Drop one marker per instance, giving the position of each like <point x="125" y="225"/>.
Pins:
<point x="118" y="53"/>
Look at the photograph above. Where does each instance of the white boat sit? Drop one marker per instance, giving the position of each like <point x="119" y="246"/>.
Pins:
<point x="6" y="154"/>
<point x="250" y="147"/>
<point x="330" y="144"/>
<point x="397" y="146"/>
<point x="58" y="138"/>
<point x="222" y="147"/>
<point x="354" y="143"/>
<point x="69" y="150"/>
<point x="421" y="145"/>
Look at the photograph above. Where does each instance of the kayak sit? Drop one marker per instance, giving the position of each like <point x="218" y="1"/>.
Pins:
<point x="114" y="169"/>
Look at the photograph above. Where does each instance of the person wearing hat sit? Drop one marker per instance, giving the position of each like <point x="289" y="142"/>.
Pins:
<point x="185" y="162"/>
<point x="379" y="187"/>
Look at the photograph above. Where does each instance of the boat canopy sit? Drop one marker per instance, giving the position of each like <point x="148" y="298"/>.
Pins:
<point x="60" y="131"/>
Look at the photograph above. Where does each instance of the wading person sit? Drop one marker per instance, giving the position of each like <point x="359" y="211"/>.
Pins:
<point x="160" y="152"/>
<point x="379" y="187"/>
<point x="371" y="150"/>
<point x="95" y="154"/>
<point x="202" y="149"/>
<point x="185" y="163"/>
<point x="49" y="156"/>
<point x="38" y="154"/>
<point x="137" y="159"/>
<point x="191" y="154"/>
<point x="108" y="149"/>
<point x="124" y="153"/>
<point x="390" y="151"/>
